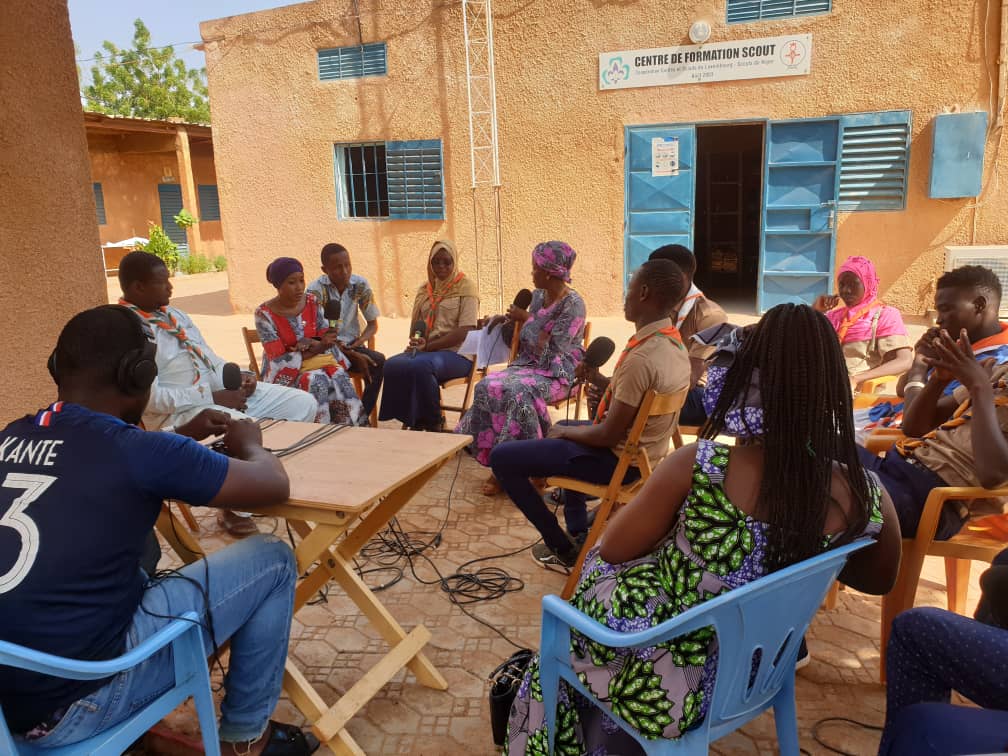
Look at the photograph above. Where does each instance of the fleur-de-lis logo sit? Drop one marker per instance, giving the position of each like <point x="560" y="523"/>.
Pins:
<point x="615" y="72"/>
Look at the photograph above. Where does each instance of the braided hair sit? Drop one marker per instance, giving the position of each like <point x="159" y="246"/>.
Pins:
<point x="808" y="426"/>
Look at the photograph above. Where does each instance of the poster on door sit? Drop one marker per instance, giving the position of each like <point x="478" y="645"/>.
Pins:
<point x="762" y="58"/>
<point x="665" y="156"/>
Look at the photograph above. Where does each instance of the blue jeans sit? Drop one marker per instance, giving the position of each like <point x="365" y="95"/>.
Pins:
<point x="412" y="385"/>
<point x="250" y="595"/>
<point x="932" y="652"/>
<point x="693" y="412"/>
<point x="908" y="486"/>
<point x="514" y="462"/>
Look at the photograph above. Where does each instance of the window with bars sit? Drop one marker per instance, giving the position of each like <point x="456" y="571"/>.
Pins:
<point x="394" y="180"/>
<point x="874" y="160"/>
<point x="744" y="11"/>
<point x="209" y="202"/>
<point x="353" y="62"/>
<point x="99" y="200"/>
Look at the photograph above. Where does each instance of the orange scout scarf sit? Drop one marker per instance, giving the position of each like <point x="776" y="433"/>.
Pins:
<point x="434" y="299"/>
<point x="671" y="332"/>
<point x="164" y="320"/>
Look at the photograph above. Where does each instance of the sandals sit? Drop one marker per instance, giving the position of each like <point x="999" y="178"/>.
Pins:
<point x="492" y="486"/>
<point x="288" y="740"/>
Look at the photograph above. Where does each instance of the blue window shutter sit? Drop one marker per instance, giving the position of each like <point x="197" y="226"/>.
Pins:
<point x="743" y="11"/>
<point x="353" y="62"/>
<point x="415" y="180"/>
<point x="209" y="203"/>
<point x="170" y="196"/>
<point x="874" y="160"/>
<point x="99" y="200"/>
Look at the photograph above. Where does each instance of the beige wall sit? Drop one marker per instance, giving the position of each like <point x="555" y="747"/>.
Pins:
<point x="561" y="139"/>
<point x="50" y="265"/>
<point x="130" y="167"/>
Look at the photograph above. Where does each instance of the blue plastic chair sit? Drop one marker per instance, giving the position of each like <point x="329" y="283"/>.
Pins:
<point x="769" y="615"/>
<point x="191" y="679"/>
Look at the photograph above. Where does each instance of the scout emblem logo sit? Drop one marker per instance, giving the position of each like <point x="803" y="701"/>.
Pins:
<point x="793" y="53"/>
<point x="615" y="72"/>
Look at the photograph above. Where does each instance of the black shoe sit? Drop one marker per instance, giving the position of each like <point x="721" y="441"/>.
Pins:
<point x="288" y="740"/>
<point x="546" y="557"/>
<point x="804" y="658"/>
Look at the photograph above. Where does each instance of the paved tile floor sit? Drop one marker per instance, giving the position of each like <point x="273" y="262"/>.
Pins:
<point x="333" y="644"/>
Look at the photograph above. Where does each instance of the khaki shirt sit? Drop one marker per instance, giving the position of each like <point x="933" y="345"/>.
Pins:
<point x="659" y="364"/>
<point x="950" y="453"/>
<point x="453" y="313"/>
<point x="705" y="314"/>
<point x="867" y="355"/>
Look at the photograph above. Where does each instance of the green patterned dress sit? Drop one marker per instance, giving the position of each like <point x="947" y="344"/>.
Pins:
<point x="663" y="690"/>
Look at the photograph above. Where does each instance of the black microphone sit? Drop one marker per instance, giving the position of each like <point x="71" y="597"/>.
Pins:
<point x="231" y="375"/>
<point x="419" y="332"/>
<point x="522" y="301"/>
<point x="333" y="310"/>
<point x="596" y="355"/>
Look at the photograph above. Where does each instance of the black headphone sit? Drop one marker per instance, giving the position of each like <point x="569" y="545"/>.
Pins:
<point x="137" y="368"/>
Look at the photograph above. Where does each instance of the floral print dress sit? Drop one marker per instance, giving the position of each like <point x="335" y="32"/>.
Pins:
<point x="329" y="384"/>
<point x="513" y="404"/>
<point x="664" y="690"/>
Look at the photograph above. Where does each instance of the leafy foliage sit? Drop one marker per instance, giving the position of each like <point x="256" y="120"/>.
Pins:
<point x="184" y="219"/>
<point x="196" y="263"/>
<point x="160" y="245"/>
<point x="143" y="82"/>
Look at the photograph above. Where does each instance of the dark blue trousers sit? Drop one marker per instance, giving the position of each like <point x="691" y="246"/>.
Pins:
<point x="412" y="385"/>
<point x="932" y="652"/>
<point x="908" y="486"/>
<point x="371" y="387"/>
<point x="693" y="412"/>
<point x="515" y="462"/>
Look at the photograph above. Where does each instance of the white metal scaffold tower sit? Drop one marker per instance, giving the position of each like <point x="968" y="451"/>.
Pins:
<point x="481" y="88"/>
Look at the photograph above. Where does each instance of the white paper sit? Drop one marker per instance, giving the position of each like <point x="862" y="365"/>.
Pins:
<point x="489" y="347"/>
<point x="665" y="156"/>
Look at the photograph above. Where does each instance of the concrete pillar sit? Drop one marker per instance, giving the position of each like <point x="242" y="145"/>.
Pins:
<point x="50" y="259"/>
<point x="188" y="185"/>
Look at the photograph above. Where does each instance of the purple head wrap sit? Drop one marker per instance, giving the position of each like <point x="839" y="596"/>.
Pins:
<point x="556" y="258"/>
<point x="278" y="270"/>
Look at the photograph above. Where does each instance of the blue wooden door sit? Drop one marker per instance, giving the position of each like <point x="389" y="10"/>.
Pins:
<point x="799" y="211"/>
<point x="658" y="207"/>
<point x="170" y="197"/>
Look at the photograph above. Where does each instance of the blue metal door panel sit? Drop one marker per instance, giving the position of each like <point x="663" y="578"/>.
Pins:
<point x="799" y="211"/>
<point x="170" y="197"/>
<point x="658" y="209"/>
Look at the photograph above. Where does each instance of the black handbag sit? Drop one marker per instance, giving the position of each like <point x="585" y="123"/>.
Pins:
<point x="503" y="689"/>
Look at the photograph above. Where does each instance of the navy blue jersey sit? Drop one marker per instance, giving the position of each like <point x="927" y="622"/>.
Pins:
<point x="79" y="493"/>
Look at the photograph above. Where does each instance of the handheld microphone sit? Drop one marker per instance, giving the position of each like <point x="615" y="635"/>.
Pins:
<point x="522" y="301"/>
<point x="596" y="355"/>
<point x="419" y="332"/>
<point x="333" y="310"/>
<point x="231" y="376"/>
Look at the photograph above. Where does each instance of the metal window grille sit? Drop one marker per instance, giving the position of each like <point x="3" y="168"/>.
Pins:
<point x="874" y="161"/>
<point x="353" y="62"/>
<point x="209" y="202"/>
<point x="362" y="180"/>
<point x="99" y="200"/>
<point x="743" y="11"/>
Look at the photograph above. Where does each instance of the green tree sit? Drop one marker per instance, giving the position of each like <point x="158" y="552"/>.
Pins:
<point x="145" y="82"/>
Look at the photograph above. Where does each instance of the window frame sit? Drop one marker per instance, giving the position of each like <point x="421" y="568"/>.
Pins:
<point x="333" y="70"/>
<point x="400" y="194"/>
<point x="879" y="120"/>
<point x="99" y="198"/>
<point x="760" y="18"/>
<point x="200" y="188"/>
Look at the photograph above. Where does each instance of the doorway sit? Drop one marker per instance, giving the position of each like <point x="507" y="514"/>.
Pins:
<point x="728" y="202"/>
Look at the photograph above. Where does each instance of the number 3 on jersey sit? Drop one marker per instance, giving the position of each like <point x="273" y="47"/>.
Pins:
<point x="16" y="519"/>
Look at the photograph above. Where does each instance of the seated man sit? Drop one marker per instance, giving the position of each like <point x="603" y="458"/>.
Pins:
<point x="81" y="489"/>
<point x="189" y="373"/>
<point x="963" y="437"/>
<point x="695" y="313"/>
<point x="354" y="295"/>
<point x="654" y="359"/>
<point x="968" y="297"/>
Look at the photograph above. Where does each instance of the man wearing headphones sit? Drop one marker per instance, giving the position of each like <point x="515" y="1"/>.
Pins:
<point x="80" y="488"/>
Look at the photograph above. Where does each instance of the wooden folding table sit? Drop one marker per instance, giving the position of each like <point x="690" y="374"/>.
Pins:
<point x="344" y="490"/>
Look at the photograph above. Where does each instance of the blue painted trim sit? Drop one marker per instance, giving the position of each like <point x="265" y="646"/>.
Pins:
<point x="749" y="11"/>
<point x="209" y="202"/>
<point x="99" y="197"/>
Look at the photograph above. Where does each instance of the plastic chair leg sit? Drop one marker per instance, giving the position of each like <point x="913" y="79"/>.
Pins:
<point x="957" y="574"/>
<point x="786" y="719"/>
<point x="549" y="677"/>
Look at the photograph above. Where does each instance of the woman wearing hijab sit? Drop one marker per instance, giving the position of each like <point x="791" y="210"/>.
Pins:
<point x="447" y="305"/>
<point x="299" y="348"/>
<point x="513" y="404"/>
<point x="872" y="335"/>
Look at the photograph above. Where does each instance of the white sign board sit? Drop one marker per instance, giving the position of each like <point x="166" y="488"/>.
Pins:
<point x="763" y="58"/>
<point x="665" y="156"/>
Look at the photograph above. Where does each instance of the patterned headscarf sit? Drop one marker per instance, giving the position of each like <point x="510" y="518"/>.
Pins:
<point x="278" y="270"/>
<point x="745" y="419"/>
<point x="864" y="269"/>
<point x="556" y="258"/>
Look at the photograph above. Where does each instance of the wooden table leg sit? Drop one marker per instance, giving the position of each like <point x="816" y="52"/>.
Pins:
<point x="310" y="703"/>
<point x="181" y="540"/>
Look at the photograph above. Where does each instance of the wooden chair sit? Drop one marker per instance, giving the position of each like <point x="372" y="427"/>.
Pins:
<point x="468" y="381"/>
<point x="958" y="551"/>
<point x="579" y="394"/>
<point x="251" y="337"/>
<point x="615" y="493"/>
